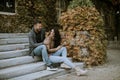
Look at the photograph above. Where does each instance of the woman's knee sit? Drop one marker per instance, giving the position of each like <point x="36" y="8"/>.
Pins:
<point x="63" y="48"/>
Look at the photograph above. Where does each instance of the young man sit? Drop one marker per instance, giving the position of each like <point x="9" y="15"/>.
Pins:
<point x="36" y="46"/>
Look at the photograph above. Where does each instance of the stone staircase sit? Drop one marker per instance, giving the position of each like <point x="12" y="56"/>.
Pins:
<point x="16" y="64"/>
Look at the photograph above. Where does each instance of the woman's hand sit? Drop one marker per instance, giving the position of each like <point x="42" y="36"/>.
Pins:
<point x="64" y="44"/>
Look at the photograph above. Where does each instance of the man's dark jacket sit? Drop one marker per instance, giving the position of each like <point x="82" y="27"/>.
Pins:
<point x="35" y="39"/>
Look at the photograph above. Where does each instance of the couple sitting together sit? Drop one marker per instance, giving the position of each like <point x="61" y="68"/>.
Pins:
<point x="50" y="48"/>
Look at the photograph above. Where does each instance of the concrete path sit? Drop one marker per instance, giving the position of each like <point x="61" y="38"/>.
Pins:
<point x="108" y="71"/>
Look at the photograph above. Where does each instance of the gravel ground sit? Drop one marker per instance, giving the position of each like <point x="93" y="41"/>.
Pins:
<point x="108" y="71"/>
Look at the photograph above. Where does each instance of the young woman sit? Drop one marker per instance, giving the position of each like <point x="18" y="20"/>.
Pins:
<point x="57" y="52"/>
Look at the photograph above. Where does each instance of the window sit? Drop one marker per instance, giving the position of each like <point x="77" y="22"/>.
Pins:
<point x="7" y="6"/>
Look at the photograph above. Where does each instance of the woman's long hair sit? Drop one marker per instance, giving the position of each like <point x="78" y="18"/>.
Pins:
<point x="57" y="38"/>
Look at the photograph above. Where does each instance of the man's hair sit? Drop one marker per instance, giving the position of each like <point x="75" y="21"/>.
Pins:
<point x="37" y="21"/>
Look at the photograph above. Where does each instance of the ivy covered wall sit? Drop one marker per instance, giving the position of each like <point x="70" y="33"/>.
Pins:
<point x="26" y="12"/>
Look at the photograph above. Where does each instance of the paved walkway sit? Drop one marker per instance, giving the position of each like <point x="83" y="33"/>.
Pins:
<point x="108" y="71"/>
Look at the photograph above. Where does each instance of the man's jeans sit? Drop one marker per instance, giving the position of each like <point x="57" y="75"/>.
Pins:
<point x="61" y="56"/>
<point x="42" y="50"/>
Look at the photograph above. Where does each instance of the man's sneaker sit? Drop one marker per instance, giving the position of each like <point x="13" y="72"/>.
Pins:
<point x="51" y="68"/>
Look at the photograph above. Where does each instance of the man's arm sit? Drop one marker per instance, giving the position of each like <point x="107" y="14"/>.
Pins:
<point x="43" y="34"/>
<point x="32" y="41"/>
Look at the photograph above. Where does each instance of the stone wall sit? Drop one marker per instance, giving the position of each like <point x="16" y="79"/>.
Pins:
<point x="26" y="12"/>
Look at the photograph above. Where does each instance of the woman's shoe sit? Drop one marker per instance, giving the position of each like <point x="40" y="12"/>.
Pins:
<point x="63" y="65"/>
<point x="80" y="72"/>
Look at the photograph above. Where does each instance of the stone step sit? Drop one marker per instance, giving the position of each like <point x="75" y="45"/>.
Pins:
<point x="12" y="54"/>
<point x="13" y="47"/>
<point x="42" y="75"/>
<point x="17" y="61"/>
<point x="13" y="41"/>
<point x="45" y="74"/>
<point x="21" y="70"/>
<point x="13" y="35"/>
